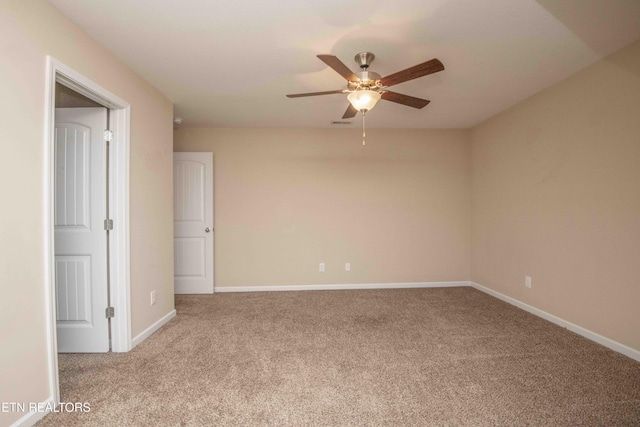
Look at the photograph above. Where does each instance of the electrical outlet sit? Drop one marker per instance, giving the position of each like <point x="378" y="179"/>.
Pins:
<point x="153" y="297"/>
<point x="347" y="266"/>
<point x="321" y="267"/>
<point x="527" y="281"/>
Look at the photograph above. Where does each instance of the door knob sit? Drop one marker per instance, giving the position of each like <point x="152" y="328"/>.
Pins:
<point x="206" y="230"/>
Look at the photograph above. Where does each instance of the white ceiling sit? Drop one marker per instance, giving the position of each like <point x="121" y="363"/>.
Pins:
<point x="230" y="63"/>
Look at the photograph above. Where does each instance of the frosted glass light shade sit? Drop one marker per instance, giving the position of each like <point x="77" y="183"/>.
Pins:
<point x="363" y="100"/>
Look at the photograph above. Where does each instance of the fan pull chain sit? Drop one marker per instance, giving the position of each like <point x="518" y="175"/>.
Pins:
<point x="363" y="131"/>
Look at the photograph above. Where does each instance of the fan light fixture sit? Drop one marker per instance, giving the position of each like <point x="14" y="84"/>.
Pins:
<point x="364" y="100"/>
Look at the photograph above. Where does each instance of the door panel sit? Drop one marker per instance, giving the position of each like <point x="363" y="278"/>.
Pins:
<point x="191" y="259"/>
<point x="73" y="290"/>
<point x="72" y="176"/>
<point x="80" y="238"/>
<point x="189" y="186"/>
<point x="193" y="216"/>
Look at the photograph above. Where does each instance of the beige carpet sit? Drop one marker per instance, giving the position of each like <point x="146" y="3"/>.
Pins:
<point x="442" y="357"/>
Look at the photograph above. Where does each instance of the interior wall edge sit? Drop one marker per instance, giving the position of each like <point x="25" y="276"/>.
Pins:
<point x="584" y="332"/>
<point x="152" y="329"/>
<point x="32" y="417"/>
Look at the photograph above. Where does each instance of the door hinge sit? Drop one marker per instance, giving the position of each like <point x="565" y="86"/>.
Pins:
<point x="109" y="312"/>
<point x="108" y="135"/>
<point x="108" y="224"/>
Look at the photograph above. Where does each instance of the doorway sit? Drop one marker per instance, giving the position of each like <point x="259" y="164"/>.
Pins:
<point x="118" y="199"/>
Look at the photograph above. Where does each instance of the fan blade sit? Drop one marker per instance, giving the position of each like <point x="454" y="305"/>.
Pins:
<point x="404" y="99"/>
<point x="339" y="67"/>
<point x="328" y="92"/>
<point x="414" y="72"/>
<point x="350" y="113"/>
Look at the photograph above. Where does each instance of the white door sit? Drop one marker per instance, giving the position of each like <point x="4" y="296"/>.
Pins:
<point x="80" y="238"/>
<point x="193" y="223"/>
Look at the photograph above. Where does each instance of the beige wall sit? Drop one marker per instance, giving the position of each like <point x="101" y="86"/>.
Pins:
<point x="556" y="196"/>
<point x="286" y="200"/>
<point x="29" y="30"/>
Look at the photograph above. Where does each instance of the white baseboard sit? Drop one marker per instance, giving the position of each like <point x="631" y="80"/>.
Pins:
<point x="607" y="342"/>
<point x="151" y="329"/>
<point x="32" y="417"/>
<point x="405" y="285"/>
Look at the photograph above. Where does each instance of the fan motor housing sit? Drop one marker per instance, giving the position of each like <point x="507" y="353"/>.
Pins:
<point x="366" y="80"/>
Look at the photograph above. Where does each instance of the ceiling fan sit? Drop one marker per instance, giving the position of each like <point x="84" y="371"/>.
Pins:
<point x="365" y="87"/>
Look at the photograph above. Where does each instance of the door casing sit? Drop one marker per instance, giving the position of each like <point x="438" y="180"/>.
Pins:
<point x="119" y="245"/>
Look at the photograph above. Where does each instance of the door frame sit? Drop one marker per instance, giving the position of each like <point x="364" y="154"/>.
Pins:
<point x="119" y="237"/>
